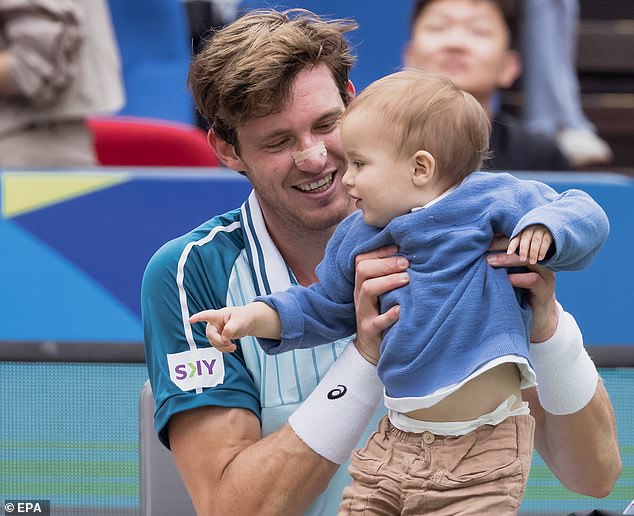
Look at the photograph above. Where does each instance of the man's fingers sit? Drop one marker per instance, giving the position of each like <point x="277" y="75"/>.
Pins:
<point x="377" y="268"/>
<point x="374" y="287"/>
<point x="382" y="252"/>
<point x="525" y="279"/>
<point x="504" y="260"/>
<point x="384" y="321"/>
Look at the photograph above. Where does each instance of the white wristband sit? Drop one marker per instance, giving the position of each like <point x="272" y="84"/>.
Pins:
<point x="566" y="376"/>
<point x="335" y="415"/>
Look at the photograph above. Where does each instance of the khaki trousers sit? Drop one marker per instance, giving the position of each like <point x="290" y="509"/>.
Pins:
<point x="481" y="473"/>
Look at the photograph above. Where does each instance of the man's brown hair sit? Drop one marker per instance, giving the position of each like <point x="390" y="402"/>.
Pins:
<point x="247" y="68"/>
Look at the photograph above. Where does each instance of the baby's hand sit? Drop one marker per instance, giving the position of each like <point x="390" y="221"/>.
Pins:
<point x="222" y="326"/>
<point x="531" y="244"/>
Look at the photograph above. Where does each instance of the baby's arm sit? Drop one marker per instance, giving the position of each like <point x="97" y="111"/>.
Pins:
<point x="532" y="243"/>
<point x="234" y="322"/>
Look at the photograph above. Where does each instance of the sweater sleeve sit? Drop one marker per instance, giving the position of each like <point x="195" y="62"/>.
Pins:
<point x="43" y="39"/>
<point x="578" y="224"/>
<point x="322" y="312"/>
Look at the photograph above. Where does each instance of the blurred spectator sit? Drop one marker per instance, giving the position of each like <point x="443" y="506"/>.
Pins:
<point x="472" y="42"/>
<point x="552" y="102"/>
<point x="205" y="16"/>
<point x="59" y="64"/>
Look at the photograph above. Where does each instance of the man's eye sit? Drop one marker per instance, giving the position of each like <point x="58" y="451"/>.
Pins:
<point x="434" y="26"/>
<point x="276" y="145"/>
<point x="326" y="127"/>
<point x="480" y="30"/>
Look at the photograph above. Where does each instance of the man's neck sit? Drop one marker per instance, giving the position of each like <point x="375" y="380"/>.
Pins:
<point x="302" y="253"/>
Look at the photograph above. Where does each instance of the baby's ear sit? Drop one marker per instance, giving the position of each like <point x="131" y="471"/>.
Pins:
<point x="423" y="167"/>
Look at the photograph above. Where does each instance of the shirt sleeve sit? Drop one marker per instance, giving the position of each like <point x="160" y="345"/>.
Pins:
<point x="185" y="371"/>
<point x="43" y="39"/>
<point x="322" y="312"/>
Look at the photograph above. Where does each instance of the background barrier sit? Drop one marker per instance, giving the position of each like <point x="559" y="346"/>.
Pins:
<point x="73" y="247"/>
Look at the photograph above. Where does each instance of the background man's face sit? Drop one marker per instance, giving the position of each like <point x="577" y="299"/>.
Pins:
<point x="466" y="40"/>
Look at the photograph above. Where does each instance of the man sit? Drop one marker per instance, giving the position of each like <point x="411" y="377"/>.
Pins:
<point x="472" y="42"/>
<point x="273" y="87"/>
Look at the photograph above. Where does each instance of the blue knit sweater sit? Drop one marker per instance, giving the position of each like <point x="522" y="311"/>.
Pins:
<point x="457" y="313"/>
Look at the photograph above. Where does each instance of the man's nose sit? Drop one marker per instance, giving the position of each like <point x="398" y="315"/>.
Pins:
<point x="312" y="159"/>
<point x="455" y="37"/>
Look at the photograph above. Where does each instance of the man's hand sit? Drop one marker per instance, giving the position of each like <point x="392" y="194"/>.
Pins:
<point x="540" y="283"/>
<point x="377" y="272"/>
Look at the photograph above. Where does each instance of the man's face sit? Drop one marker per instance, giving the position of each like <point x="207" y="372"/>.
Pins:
<point x="304" y="195"/>
<point x="466" y="40"/>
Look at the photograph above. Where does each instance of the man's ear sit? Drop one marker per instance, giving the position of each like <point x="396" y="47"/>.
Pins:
<point x="351" y="89"/>
<point x="511" y="69"/>
<point x="423" y="167"/>
<point x="226" y="152"/>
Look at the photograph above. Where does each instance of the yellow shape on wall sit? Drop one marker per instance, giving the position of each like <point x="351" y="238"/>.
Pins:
<point x="27" y="191"/>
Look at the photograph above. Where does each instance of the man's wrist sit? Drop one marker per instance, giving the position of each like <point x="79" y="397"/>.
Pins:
<point x="566" y="376"/>
<point x="335" y="415"/>
<point x="367" y="356"/>
<point x="545" y="322"/>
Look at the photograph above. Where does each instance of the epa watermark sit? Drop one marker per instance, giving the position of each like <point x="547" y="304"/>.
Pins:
<point x="40" y="507"/>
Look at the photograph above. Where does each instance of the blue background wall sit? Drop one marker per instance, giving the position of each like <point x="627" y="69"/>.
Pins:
<point x="74" y="247"/>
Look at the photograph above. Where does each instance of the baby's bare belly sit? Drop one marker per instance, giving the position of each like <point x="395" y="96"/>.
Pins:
<point x="477" y="397"/>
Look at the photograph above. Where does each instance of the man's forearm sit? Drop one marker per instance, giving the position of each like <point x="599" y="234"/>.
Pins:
<point x="575" y="428"/>
<point x="277" y="475"/>
<point x="581" y="449"/>
<point x="229" y="469"/>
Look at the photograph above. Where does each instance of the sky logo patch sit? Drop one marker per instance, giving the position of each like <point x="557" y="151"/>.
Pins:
<point x="196" y="368"/>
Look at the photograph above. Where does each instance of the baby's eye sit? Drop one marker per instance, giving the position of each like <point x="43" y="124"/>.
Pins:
<point x="357" y="164"/>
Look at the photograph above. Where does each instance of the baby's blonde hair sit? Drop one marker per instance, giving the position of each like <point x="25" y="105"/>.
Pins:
<point x="419" y="110"/>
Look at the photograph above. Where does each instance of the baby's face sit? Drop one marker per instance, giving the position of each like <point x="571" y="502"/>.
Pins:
<point x="378" y="181"/>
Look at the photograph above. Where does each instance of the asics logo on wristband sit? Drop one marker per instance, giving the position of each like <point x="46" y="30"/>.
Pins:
<point x="338" y="392"/>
